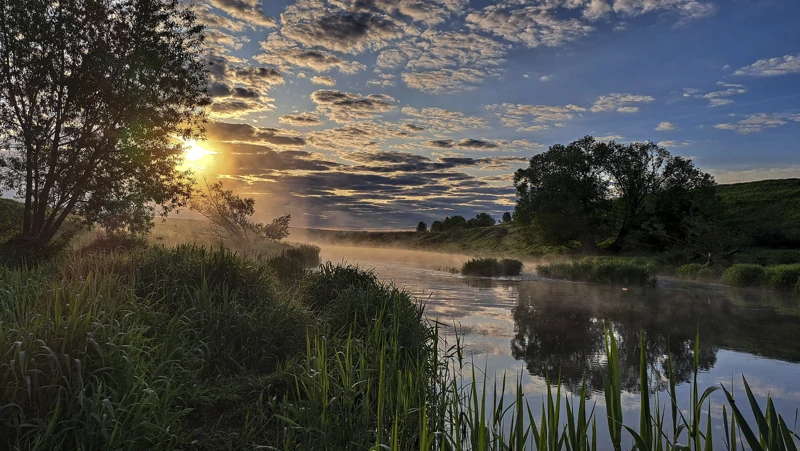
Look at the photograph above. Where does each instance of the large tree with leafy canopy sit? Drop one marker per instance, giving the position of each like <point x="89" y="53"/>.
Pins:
<point x="589" y="191"/>
<point x="562" y="196"/>
<point x="93" y="96"/>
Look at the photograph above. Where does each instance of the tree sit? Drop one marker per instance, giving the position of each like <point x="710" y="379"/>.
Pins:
<point x="437" y="226"/>
<point x="422" y="227"/>
<point x="562" y="196"/>
<point x="507" y="218"/>
<point x="642" y="171"/>
<point x="481" y="220"/>
<point x="454" y="222"/>
<point x="93" y="95"/>
<point x="230" y="217"/>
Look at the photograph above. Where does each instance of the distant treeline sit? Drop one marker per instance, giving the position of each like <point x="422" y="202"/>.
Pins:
<point x="460" y="222"/>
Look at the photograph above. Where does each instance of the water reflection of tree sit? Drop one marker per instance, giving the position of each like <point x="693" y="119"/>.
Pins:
<point x="559" y="329"/>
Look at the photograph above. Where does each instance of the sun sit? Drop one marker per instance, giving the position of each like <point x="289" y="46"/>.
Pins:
<point x="194" y="151"/>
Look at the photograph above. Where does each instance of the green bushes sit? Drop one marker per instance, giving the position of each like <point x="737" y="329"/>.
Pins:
<point x="696" y="272"/>
<point x="775" y="277"/>
<point x="491" y="267"/>
<point x="744" y="275"/>
<point x="600" y="270"/>
<point x="782" y="277"/>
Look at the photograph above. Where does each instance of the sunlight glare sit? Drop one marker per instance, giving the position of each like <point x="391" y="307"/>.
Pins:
<point x="194" y="151"/>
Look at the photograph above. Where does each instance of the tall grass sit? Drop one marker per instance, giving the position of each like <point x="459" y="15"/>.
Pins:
<point x="600" y="270"/>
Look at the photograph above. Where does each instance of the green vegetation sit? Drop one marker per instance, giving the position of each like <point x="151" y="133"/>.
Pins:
<point x="775" y="277"/>
<point x="600" y="270"/>
<point x="491" y="267"/>
<point x="695" y="272"/>
<point x="193" y="348"/>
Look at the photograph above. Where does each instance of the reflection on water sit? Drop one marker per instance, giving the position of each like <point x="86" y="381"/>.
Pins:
<point x="550" y="327"/>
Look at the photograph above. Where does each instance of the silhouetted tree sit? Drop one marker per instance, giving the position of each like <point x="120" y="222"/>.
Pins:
<point x="437" y="226"/>
<point x="92" y="97"/>
<point x="506" y="218"/>
<point x="481" y="220"/>
<point x="641" y="172"/>
<point x="422" y="227"/>
<point x="454" y="222"/>
<point x="562" y="196"/>
<point x="230" y="217"/>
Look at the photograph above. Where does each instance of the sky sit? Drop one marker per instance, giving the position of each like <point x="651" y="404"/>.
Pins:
<point x="379" y="114"/>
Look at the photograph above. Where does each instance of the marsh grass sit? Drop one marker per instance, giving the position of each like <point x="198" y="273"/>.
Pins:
<point x="491" y="267"/>
<point x="600" y="270"/>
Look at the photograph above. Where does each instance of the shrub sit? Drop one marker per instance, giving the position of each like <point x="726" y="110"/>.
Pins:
<point x="696" y="272"/>
<point x="744" y="275"/>
<point x="491" y="267"/>
<point x="782" y="277"/>
<point x="600" y="270"/>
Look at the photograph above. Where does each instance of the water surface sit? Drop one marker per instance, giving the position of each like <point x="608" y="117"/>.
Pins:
<point x="530" y="328"/>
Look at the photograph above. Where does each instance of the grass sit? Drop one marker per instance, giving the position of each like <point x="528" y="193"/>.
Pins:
<point x="600" y="270"/>
<point x="194" y="348"/>
<point x="491" y="267"/>
<point x="696" y="272"/>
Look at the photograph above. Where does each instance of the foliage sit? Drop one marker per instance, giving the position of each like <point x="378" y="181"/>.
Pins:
<point x="507" y="218"/>
<point x="782" y="277"/>
<point x="422" y="227"/>
<point x="11" y="213"/>
<point x="230" y="217"/>
<point x="600" y="270"/>
<point x="562" y="195"/>
<point x="696" y="272"/>
<point x="481" y="220"/>
<point x="590" y="191"/>
<point x="744" y="275"/>
<point x="92" y="96"/>
<point x="277" y="230"/>
<point x="491" y="267"/>
<point x="437" y="226"/>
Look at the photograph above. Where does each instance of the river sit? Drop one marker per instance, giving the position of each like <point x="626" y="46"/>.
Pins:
<point x="530" y="328"/>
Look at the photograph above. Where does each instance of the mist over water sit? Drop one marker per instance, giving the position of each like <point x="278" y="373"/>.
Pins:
<point x="530" y="328"/>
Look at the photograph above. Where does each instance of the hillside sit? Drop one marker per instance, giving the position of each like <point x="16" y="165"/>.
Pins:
<point x="763" y="208"/>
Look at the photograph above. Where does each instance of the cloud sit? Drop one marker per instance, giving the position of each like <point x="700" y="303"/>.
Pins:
<point x="287" y="55"/>
<point x="346" y="107"/>
<point x="622" y="103"/>
<point x="323" y="80"/>
<point x="301" y="120"/>
<point x="248" y="11"/>
<point x="755" y="123"/>
<point x="687" y="10"/>
<point x="673" y="144"/>
<point x="664" y="126"/>
<point x="445" y="61"/>
<point x="309" y="23"/>
<point x="533" y="26"/>
<point x="441" y="120"/>
<point x="360" y="135"/>
<point x="533" y="117"/>
<point x="233" y="108"/>
<point x="771" y="67"/>
<point x="245" y="133"/>
<point x="545" y="78"/>
<point x="719" y="98"/>
<point x="467" y="143"/>
<point x="239" y="90"/>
